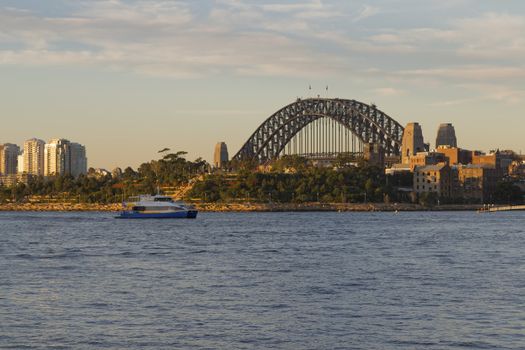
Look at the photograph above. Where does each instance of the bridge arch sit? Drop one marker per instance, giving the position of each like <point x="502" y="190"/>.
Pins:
<point x="367" y="123"/>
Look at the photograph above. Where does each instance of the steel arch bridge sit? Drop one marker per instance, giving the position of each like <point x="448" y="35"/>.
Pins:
<point x="322" y="126"/>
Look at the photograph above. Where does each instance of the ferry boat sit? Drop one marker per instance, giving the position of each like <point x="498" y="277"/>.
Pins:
<point x="156" y="207"/>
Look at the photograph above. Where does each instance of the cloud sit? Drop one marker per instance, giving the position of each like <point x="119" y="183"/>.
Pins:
<point x="281" y="39"/>
<point x="467" y="72"/>
<point x="498" y="93"/>
<point x="163" y="39"/>
<point x="293" y="7"/>
<point x="366" y="12"/>
<point x="490" y="36"/>
<point x="486" y="92"/>
<point x="388" y="91"/>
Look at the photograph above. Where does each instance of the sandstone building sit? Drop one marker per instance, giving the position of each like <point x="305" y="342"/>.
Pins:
<point x="446" y="136"/>
<point x="436" y="179"/>
<point x="412" y="142"/>
<point x="220" y="157"/>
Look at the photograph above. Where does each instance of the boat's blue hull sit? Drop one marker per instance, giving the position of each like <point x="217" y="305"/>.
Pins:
<point x="190" y="214"/>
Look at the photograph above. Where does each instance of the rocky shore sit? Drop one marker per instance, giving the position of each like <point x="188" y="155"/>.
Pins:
<point x="60" y="207"/>
<point x="246" y="207"/>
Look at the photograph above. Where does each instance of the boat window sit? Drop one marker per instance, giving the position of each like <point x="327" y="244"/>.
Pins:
<point x="139" y="208"/>
<point x="164" y="208"/>
<point x="163" y="199"/>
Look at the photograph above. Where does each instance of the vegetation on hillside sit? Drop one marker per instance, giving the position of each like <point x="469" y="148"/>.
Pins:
<point x="290" y="179"/>
<point x="297" y="185"/>
<point x="172" y="170"/>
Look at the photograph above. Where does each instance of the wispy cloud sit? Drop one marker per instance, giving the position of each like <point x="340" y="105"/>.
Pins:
<point x="366" y="12"/>
<point x="280" y="39"/>
<point x="159" y="38"/>
<point x="293" y="7"/>
<point x="468" y="73"/>
<point x="388" y="91"/>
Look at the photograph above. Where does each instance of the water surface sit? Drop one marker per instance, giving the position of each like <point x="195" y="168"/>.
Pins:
<point x="263" y="280"/>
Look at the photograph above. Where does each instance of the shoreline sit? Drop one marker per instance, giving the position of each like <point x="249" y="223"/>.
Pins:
<point x="246" y="207"/>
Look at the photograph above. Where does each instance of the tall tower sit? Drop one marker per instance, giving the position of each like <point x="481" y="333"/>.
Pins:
<point x="78" y="160"/>
<point x="56" y="157"/>
<point x="34" y="157"/>
<point x="412" y="142"/>
<point x="220" y="158"/>
<point x="446" y="136"/>
<point x="9" y="158"/>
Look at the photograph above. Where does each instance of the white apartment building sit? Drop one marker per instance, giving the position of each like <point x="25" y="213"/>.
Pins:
<point x="33" y="157"/>
<point x="63" y="157"/>
<point x="55" y="157"/>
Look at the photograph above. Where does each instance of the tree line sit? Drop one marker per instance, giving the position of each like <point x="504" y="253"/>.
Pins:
<point x="172" y="169"/>
<point x="290" y="179"/>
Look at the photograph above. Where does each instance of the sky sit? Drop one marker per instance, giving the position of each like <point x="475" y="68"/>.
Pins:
<point x="127" y="78"/>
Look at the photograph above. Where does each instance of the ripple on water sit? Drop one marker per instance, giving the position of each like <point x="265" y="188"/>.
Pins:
<point x="263" y="280"/>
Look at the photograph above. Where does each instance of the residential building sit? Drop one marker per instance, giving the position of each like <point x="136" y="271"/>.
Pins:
<point x="63" y="157"/>
<point x="456" y="155"/>
<point x="427" y="158"/>
<point x="9" y="158"/>
<point x="498" y="160"/>
<point x="77" y="159"/>
<point x="56" y="153"/>
<point x="33" y="159"/>
<point x="478" y="182"/>
<point x="436" y="179"/>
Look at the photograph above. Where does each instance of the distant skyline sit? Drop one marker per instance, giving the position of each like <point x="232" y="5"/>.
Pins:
<point x="128" y="78"/>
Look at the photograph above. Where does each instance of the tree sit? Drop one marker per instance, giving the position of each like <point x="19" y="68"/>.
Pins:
<point x="428" y="199"/>
<point x="508" y="192"/>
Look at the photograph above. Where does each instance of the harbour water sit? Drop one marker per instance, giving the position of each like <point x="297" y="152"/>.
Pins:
<point x="442" y="280"/>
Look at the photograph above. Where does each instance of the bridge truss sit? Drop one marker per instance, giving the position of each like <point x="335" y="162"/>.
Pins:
<point x="322" y="128"/>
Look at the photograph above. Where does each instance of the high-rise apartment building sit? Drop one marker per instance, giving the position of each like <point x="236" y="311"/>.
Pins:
<point x="446" y="136"/>
<point x="33" y="159"/>
<point x="220" y="158"/>
<point x="63" y="157"/>
<point x="9" y="158"/>
<point x="412" y="142"/>
<point x="56" y="154"/>
<point x="78" y="159"/>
